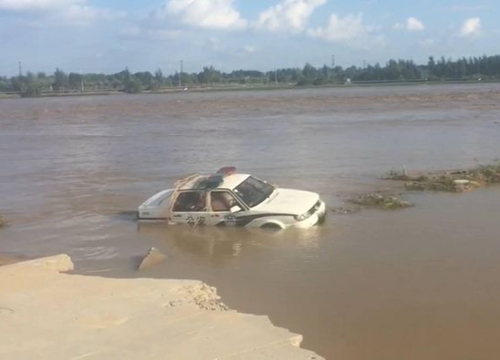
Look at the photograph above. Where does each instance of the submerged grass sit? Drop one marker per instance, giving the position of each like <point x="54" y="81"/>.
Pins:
<point x="489" y="174"/>
<point x="444" y="181"/>
<point x="396" y="175"/>
<point x="450" y="181"/>
<point x="381" y="201"/>
<point x="345" y="210"/>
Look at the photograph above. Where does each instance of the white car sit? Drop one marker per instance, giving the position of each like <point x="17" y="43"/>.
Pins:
<point x="230" y="199"/>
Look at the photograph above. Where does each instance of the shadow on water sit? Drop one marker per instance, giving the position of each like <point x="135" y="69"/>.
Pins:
<point x="125" y="216"/>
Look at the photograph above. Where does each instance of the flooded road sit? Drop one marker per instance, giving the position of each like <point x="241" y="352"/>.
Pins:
<point x="419" y="283"/>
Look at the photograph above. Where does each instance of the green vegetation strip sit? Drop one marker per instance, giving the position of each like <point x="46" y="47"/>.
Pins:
<point x="485" y="68"/>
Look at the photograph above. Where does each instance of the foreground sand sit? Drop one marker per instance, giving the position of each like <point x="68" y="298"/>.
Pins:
<point x="46" y="314"/>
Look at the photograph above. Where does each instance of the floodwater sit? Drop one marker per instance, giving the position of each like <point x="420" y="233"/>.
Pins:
<point x="421" y="283"/>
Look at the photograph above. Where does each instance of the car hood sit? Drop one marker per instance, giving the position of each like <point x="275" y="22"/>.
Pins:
<point x="288" y="201"/>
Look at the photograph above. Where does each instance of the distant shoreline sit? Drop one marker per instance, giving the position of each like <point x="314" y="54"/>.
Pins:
<point x="230" y="88"/>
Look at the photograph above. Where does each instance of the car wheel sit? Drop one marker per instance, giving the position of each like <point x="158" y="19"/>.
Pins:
<point x="271" y="227"/>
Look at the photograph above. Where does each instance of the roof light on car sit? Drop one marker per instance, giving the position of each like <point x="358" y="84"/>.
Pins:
<point x="226" y="171"/>
<point x="209" y="182"/>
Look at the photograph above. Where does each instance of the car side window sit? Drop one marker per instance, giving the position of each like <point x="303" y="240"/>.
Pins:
<point x="190" y="201"/>
<point x="221" y="201"/>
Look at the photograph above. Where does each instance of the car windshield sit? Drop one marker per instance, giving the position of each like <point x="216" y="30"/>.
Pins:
<point x="253" y="191"/>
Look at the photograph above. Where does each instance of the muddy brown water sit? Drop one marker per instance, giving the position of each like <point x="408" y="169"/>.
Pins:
<point x="421" y="283"/>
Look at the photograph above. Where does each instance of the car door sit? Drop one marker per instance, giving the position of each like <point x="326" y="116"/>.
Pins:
<point x="223" y="208"/>
<point x="190" y="208"/>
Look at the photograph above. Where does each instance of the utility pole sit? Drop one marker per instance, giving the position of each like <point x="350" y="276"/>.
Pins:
<point x="82" y="85"/>
<point x="20" y="69"/>
<point x="276" y="76"/>
<point x="181" y="71"/>
<point x="333" y="61"/>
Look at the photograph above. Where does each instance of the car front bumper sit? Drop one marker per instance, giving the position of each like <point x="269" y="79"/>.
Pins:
<point x="322" y="213"/>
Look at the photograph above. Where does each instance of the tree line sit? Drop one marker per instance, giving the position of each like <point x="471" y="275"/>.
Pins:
<point x="474" y="68"/>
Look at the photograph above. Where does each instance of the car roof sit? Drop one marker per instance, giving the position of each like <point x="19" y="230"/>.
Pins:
<point x="228" y="182"/>
<point x="232" y="181"/>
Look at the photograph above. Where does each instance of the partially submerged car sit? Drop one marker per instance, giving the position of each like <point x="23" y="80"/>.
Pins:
<point x="230" y="199"/>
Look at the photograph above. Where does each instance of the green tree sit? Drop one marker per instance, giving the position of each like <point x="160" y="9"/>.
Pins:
<point x="75" y="81"/>
<point x="309" y="74"/>
<point x="27" y="86"/>
<point x="209" y="75"/>
<point x="146" y="79"/>
<point x="60" y="80"/>
<point x="159" y="79"/>
<point x="132" y="86"/>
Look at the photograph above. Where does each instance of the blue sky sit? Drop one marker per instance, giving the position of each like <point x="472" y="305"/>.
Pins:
<point x="109" y="35"/>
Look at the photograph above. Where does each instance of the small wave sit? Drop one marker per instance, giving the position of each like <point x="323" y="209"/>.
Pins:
<point x="95" y="253"/>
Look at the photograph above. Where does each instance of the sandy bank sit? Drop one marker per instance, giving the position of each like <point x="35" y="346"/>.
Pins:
<point x="46" y="314"/>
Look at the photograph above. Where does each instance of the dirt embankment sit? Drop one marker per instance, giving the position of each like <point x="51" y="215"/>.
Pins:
<point x="127" y="319"/>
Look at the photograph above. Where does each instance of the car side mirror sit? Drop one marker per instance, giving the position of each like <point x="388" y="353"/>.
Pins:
<point x="234" y="209"/>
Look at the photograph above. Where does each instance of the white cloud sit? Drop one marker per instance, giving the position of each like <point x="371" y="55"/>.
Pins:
<point x="471" y="28"/>
<point x="288" y="15"/>
<point x="411" y="24"/>
<point x="211" y="14"/>
<point x="74" y="12"/>
<point x="343" y="29"/>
